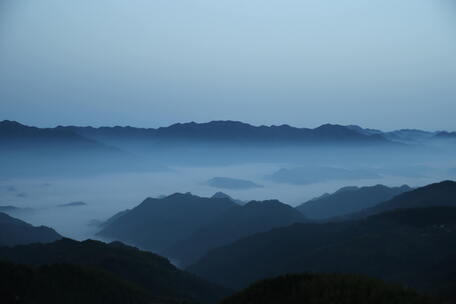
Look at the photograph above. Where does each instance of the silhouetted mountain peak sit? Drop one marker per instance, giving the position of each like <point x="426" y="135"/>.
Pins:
<point x="215" y="124"/>
<point x="234" y="223"/>
<point x="16" y="232"/>
<point x="5" y="218"/>
<point x="266" y="204"/>
<point x="364" y="131"/>
<point x="347" y="188"/>
<point x="220" y="195"/>
<point x="11" y="124"/>
<point x="181" y="196"/>
<point x="331" y="127"/>
<point x="339" y="131"/>
<point x="156" y="223"/>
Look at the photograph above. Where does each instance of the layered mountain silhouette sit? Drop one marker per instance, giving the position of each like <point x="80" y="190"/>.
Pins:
<point x="445" y="136"/>
<point x="237" y="222"/>
<point x="231" y="131"/>
<point x="414" y="247"/>
<point x="325" y="289"/>
<point x="224" y="195"/>
<point x="237" y="131"/>
<point x="401" y="136"/>
<point x="348" y="200"/>
<point x="407" y="136"/>
<point x="87" y="150"/>
<point x="14" y="135"/>
<point x="113" y="218"/>
<point x="156" y="223"/>
<point x="15" y="232"/>
<point x="154" y="275"/>
<point x="438" y="194"/>
<point x="30" y="151"/>
<point x="215" y="132"/>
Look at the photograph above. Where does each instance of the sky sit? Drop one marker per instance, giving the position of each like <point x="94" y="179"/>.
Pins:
<point x="384" y="64"/>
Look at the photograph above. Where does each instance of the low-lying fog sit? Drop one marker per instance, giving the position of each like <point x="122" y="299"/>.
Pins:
<point x="74" y="205"/>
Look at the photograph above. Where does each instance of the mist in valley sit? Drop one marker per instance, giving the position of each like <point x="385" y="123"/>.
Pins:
<point x="181" y="151"/>
<point x="292" y="175"/>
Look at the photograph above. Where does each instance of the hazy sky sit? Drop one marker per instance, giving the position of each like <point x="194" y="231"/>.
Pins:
<point x="377" y="63"/>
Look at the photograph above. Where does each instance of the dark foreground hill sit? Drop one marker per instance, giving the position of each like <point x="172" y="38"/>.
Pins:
<point x="16" y="232"/>
<point x="156" y="224"/>
<point x="325" y="289"/>
<point x="237" y="222"/>
<point x="414" y="247"/>
<point x="348" y="200"/>
<point x="69" y="284"/>
<point x="150" y="272"/>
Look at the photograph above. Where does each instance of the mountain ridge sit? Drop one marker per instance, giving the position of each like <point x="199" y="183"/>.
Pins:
<point x="348" y="200"/>
<point x="222" y="131"/>
<point x="436" y="194"/>
<point x="17" y="232"/>
<point x="397" y="241"/>
<point x="153" y="273"/>
<point x="233" y="224"/>
<point x="167" y="220"/>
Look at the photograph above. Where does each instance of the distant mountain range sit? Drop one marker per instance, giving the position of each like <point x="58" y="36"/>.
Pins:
<point x="348" y="200"/>
<point x="151" y="275"/>
<point x="213" y="132"/>
<point x="31" y="151"/>
<point x="16" y="232"/>
<point x="406" y="135"/>
<point x="446" y="135"/>
<point x="233" y="224"/>
<point x="88" y="150"/>
<point x="413" y="246"/>
<point x="14" y="135"/>
<point x="231" y="131"/>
